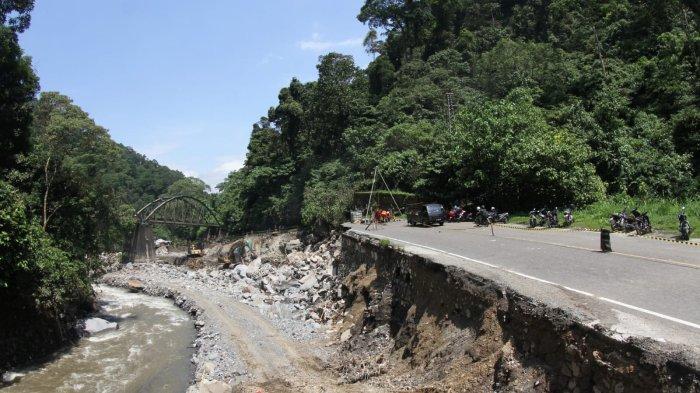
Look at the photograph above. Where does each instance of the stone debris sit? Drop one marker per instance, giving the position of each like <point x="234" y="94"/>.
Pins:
<point x="345" y="336"/>
<point x="295" y="290"/>
<point x="110" y="262"/>
<point x="295" y="281"/>
<point x="162" y="250"/>
<point x="207" y="386"/>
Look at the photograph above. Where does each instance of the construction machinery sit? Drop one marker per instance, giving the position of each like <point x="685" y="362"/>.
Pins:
<point x="194" y="250"/>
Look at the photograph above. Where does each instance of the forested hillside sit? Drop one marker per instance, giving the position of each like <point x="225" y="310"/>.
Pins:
<point x="67" y="193"/>
<point x="552" y="102"/>
<point x="77" y="180"/>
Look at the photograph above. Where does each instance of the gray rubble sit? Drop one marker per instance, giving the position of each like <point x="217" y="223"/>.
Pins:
<point x="290" y="283"/>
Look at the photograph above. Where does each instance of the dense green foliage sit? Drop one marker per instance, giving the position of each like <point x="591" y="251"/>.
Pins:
<point x="35" y="274"/>
<point x="67" y="193"/>
<point x="78" y="180"/>
<point x="554" y="102"/>
<point x="18" y="86"/>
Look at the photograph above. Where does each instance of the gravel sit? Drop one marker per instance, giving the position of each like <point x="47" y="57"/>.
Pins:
<point x="294" y="289"/>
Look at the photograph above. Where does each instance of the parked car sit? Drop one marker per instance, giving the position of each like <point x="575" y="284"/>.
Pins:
<point x="425" y="214"/>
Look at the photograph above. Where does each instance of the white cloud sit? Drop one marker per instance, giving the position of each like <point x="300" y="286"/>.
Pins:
<point x="229" y="165"/>
<point x="317" y="44"/>
<point x="157" y="150"/>
<point x="219" y="173"/>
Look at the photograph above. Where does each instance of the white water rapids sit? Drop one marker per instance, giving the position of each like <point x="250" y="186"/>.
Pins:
<point x="150" y="352"/>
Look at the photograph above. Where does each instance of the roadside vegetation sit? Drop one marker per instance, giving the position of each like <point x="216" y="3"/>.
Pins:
<point x="506" y="104"/>
<point x="664" y="212"/>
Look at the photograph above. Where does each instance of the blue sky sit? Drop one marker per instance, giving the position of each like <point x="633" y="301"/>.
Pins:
<point x="183" y="81"/>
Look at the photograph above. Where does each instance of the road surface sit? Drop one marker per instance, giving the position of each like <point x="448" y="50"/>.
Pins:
<point x="646" y="287"/>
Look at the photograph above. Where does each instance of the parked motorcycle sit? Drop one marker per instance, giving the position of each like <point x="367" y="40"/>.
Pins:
<point x="683" y="225"/>
<point x="642" y="224"/>
<point x="534" y="218"/>
<point x="568" y="217"/>
<point x="621" y="222"/>
<point x="552" y="218"/>
<point x="453" y="214"/>
<point x="540" y="218"/>
<point x="457" y="214"/>
<point x="495" y="216"/>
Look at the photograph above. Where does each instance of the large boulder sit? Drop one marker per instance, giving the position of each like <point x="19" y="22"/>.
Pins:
<point x="96" y="325"/>
<point x="135" y="285"/>
<point x="10" y="377"/>
<point x="240" y="271"/>
<point x="292" y="245"/>
<point x="207" y="386"/>
<point x="345" y="336"/>
<point x="307" y="282"/>
<point x="254" y="266"/>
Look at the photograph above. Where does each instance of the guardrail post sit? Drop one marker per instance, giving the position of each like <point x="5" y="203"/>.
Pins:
<point x="605" y="240"/>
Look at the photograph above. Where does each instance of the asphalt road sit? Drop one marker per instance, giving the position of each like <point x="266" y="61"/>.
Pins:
<point x="646" y="287"/>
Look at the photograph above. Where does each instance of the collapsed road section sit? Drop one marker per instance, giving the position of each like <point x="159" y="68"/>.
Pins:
<point x="435" y="327"/>
<point x="353" y="312"/>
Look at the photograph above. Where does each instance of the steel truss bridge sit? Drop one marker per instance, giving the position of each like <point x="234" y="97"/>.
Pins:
<point x="178" y="210"/>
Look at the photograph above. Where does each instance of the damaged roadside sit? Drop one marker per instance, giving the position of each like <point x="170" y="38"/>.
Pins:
<point x="430" y="327"/>
<point x="290" y="311"/>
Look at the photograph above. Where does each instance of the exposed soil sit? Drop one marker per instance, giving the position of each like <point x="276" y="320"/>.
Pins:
<point x="420" y="326"/>
<point x="293" y="315"/>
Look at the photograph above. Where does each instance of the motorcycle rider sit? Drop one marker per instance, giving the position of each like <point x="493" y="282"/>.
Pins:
<point x="482" y="216"/>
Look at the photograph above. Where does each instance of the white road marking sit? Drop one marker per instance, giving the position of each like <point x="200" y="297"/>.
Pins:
<point x="654" y="313"/>
<point x="605" y="299"/>
<point x="578" y="291"/>
<point x="530" y="277"/>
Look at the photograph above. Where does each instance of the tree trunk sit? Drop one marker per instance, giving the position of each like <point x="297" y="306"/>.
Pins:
<point x="47" y="185"/>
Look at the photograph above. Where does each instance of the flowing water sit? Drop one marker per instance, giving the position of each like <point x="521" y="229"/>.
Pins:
<point x="150" y="352"/>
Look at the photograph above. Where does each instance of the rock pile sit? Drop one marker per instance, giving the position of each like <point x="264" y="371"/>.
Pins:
<point x="299" y="280"/>
<point x="110" y="262"/>
<point x="288" y="280"/>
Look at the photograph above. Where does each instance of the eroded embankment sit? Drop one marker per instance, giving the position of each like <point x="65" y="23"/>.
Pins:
<point x="414" y="323"/>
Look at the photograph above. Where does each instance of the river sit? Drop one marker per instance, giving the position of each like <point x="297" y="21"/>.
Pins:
<point x="150" y="352"/>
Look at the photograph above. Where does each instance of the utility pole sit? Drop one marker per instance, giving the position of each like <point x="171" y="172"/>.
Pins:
<point x="450" y="109"/>
<point x="369" y="201"/>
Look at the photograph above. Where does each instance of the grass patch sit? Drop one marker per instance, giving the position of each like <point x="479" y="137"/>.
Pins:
<point x="384" y="243"/>
<point x="663" y="213"/>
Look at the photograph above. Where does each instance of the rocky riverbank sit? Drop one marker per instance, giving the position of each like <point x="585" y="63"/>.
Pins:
<point x="289" y="283"/>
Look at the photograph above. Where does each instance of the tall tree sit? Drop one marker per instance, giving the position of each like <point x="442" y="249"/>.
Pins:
<point x="18" y="84"/>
